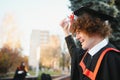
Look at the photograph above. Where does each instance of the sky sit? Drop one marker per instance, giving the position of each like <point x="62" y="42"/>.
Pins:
<point x="34" y="14"/>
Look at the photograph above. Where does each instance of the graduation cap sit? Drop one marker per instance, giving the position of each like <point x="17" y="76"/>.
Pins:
<point x="94" y="13"/>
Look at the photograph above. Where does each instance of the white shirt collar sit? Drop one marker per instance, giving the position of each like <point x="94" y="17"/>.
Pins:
<point x="97" y="47"/>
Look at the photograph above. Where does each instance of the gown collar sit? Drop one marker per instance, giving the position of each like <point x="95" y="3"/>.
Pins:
<point x="97" y="47"/>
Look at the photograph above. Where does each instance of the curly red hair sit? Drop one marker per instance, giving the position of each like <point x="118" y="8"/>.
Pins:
<point x="91" y="25"/>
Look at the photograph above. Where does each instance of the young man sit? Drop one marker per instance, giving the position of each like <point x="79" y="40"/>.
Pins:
<point x="98" y="59"/>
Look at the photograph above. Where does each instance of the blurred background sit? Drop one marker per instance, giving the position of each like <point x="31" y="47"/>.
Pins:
<point x="30" y="32"/>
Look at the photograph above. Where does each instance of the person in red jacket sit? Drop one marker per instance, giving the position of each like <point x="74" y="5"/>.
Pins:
<point x="97" y="58"/>
<point x="21" y="72"/>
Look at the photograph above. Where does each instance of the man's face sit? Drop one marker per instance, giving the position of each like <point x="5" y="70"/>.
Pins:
<point x="23" y="64"/>
<point x="86" y="41"/>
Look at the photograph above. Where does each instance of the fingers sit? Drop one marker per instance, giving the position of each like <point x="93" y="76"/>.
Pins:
<point x="63" y="23"/>
<point x="66" y="26"/>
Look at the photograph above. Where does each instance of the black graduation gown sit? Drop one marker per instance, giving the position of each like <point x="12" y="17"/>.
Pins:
<point x="109" y="68"/>
<point x="20" y="76"/>
<point x="76" y="55"/>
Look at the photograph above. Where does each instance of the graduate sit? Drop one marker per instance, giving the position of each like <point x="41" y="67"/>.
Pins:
<point x="21" y="72"/>
<point x="97" y="58"/>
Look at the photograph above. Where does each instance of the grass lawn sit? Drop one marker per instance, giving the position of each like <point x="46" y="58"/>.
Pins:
<point x="32" y="73"/>
<point x="46" y="72"/>
<point x="50" y="72"/>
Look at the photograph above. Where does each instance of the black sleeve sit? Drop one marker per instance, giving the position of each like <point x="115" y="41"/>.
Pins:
<point x="73" y="49"/>
<point x="15" y="74"/>
<point x="76" y="55"/>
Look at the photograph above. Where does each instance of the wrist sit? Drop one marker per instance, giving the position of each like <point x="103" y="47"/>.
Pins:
<point x="67" y="34"/>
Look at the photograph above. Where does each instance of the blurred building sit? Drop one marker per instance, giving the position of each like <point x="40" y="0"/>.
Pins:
<point x="38" y="38"/>
<point x="45" y="50"/>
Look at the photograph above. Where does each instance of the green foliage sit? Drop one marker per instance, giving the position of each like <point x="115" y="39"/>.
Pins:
<point x="81" y="2"/>
<point x="109" y="7"/>
<point x="4" y="59"/>
<point x="9" y="59"/>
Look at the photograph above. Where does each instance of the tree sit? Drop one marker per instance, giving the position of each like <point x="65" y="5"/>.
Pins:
<point x="110" y="7"/>
<point x="50" y="53"/>
<point x="9" y="59"/>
